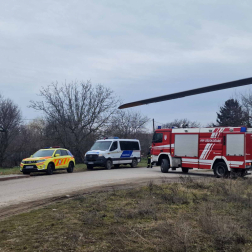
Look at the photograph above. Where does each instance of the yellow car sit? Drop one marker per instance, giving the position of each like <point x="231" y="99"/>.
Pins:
<point x="48" y="160"/>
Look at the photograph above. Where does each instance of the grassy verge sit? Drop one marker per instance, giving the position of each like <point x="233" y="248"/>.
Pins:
<point x="207" y="215"/>
<point x="9" y="171"/>
<point x="78" y="168"/>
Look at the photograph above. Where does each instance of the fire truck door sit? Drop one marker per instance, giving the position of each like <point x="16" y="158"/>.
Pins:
<point x="161" y="143"/>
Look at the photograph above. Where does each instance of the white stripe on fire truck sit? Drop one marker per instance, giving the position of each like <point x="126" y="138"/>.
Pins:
<point x="208" y="148"/>
<point x="204" y="152"/>
<point x="210" y="151"/>
<point x="236" y="163"/>
<point x="162" y="146"/>
<point x="190" y="161"/>
<point x="205" y="161"/>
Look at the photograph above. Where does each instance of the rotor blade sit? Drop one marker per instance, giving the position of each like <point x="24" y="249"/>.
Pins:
<point x="196" y="91"/>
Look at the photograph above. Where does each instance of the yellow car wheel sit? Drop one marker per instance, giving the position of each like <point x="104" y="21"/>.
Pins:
<point x="49" y="170"/>
<point x="70" y="167"/>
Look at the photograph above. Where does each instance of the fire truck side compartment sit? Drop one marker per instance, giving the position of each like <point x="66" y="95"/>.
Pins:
<point x="186" y="145"/>
<point x="235" y="145"/>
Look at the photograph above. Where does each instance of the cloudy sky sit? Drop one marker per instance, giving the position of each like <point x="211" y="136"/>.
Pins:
<point x="140" y="49"/>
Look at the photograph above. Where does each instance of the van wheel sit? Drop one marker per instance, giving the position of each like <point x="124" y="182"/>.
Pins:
<point x="220" y="170"/>
<point x="185" y="170"/>
<point x="49" y="170"/>
<point x="164" y="165"/>
<point x="134" y="163"/>
<point x="70" y="167"/>
<point x="108" y="164"/>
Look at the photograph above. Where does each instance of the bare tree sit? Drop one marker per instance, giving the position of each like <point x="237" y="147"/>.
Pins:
<point x="127" y="124"/>
<point x="75" y="111"/>
<point x="246" y="102"/>
<point x="10" y="120"/>
<point x="181" y="123"/>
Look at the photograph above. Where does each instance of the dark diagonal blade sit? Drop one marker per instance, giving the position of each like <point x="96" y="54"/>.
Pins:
<point x="196" y="91"/>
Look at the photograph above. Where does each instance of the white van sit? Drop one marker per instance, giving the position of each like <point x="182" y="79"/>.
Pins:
<point x="115" y="151"/>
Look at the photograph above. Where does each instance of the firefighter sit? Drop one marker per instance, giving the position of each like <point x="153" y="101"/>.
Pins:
<point x="149" y="165"/>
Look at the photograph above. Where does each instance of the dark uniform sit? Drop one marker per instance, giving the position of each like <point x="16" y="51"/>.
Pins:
<point x="149" y="165"/>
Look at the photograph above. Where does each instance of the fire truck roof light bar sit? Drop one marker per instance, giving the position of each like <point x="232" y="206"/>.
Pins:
<point x="243" y="129"/>
<point x="196" y="91"/>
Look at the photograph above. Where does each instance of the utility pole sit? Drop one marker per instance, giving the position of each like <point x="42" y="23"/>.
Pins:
<point x="153" y="125"/>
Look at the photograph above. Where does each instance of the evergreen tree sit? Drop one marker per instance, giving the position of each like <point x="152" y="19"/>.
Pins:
<point x="231" y="114"/>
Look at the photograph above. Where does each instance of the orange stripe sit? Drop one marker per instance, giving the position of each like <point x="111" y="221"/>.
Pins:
<point x="56" y="162"/>
<point x="63" y="161"/>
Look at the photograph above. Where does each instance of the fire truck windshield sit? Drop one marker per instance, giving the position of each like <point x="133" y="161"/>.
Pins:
<point x="104" y="145"/>
<point x="43" y="153"/>
<point x="157" y="138"/>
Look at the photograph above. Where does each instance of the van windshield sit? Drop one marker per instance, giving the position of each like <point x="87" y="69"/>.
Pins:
<point x="104" y="145"/>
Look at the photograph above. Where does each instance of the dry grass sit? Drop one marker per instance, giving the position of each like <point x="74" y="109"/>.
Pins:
<point x="203" y="215"/>
<point x="78" y="168"/>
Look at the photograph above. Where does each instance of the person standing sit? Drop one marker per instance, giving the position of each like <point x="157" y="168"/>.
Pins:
<point x="149" y="165"/>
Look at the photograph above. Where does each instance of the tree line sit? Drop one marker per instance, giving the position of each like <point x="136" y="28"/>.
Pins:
<point x="78" y="113"/>
<point x="74" y="116"/>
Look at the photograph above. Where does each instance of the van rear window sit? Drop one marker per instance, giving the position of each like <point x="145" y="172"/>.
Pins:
<point x="127" y="145"/>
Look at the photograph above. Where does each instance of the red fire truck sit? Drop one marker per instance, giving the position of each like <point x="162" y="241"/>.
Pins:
<point x="222" y="149"/>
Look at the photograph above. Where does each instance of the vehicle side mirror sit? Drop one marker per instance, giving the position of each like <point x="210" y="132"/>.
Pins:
<point x="57" y="155"/>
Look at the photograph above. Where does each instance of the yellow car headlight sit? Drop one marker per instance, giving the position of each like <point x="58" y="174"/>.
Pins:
<point x="42" y="160"/>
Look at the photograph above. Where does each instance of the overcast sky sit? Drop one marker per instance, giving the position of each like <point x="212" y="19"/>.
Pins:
<point x="140" y="49"/>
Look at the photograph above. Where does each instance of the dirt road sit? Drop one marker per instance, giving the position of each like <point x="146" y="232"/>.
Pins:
<point x="43" y="186"/>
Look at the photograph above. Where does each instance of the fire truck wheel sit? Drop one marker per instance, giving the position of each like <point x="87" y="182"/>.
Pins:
<point x="220" y="170"/>
<point x="164" y="165"/>
<point x="90" y="167"/>
<point x="134" y="163"/>
<point x="185" y="170"/>
<point x="49" y="170"/>
<point x="70" y="167"/>
<point x="108" y="164"/>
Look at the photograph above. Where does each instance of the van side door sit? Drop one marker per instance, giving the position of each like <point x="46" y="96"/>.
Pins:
<point x="114" y="152"/>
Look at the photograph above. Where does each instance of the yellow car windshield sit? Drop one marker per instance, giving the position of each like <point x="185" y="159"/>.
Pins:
<point x="43" y="153"/>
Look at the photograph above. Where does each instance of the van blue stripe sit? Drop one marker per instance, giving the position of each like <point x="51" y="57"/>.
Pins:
<point x="126" y="154"/>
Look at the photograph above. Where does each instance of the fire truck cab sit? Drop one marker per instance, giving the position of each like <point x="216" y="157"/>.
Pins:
<point x="222" y="149"/>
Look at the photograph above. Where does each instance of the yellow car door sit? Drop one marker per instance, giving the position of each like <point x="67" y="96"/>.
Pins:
<point x="57" y="159"/>
<point x="65" y="159"/>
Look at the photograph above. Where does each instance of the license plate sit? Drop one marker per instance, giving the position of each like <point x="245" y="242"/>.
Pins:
<point x="90" y="162"/>
<point x="29" y="166"/>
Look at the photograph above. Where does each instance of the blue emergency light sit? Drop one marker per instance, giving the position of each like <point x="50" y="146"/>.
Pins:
<point x="159" y="127"/>
<point x="243" y="129"/>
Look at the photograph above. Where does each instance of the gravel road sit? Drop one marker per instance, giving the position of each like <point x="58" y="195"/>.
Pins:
<point x="13" y="192"/>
